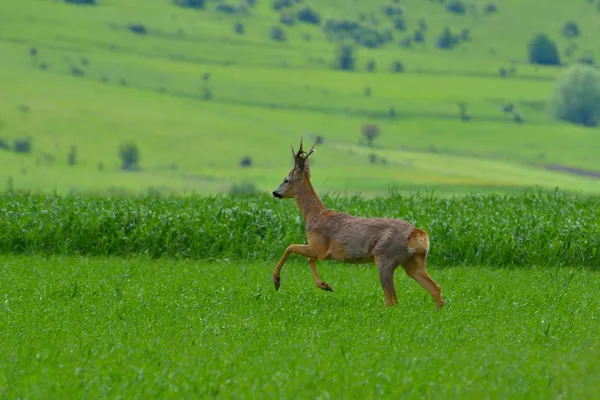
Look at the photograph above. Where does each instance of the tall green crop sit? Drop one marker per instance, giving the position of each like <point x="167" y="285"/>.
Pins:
<point x="519" y="230"/>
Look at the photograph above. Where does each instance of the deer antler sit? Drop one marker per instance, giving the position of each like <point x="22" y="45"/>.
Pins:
<point x="312" y="149"/>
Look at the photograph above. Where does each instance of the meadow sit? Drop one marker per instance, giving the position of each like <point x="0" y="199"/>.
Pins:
<point x="170" y="297"/>
<point x="73" y="327"/>
<point x="196" y="98"/>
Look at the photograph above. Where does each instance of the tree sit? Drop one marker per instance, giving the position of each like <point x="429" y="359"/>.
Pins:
<point x="543" y="50"/>
<point x="576" y="96"/>
<point x="345" y="58"/>
<point x="370" y="132"/>
<point x="130" y="156"/>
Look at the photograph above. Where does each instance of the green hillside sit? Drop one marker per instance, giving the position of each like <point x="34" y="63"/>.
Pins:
<point x="200" y="89"/>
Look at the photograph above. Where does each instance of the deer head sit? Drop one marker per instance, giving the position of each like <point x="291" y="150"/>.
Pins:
<point x="297" y="175"/>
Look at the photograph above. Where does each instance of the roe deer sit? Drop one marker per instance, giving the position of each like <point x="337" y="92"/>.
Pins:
<point x="339" y="236"/>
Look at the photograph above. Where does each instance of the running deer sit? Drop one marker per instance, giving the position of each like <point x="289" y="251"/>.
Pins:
<point x="339" y="236"/>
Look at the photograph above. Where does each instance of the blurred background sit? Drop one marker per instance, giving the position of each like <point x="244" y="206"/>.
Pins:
<point x="123" y="97"/>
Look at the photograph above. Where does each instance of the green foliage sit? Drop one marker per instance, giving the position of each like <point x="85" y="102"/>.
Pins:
<point x="576" y="96"/>
<point x="130" y="156"/>
<point x="345" y="58"/>
<point x="198" y="4"/>
<point x="456" y="7"/>
<point x="309" y="15"/>
<point x="543" y="50"/>
<point x="133" y="328"/>
<point x="88" y="2"/>
<point x="571" y="30"/>
<point x="513" y="230"/>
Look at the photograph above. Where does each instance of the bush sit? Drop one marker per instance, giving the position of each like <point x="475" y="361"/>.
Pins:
<point x="345" y="58"/>
<point x="198" y="4"/>
<point x="490" y="8"/>
<point x="457" y="7"/>
<point x="576" y="96"/>
<point x="392" y="11"/>
<point x="130" y="156"/>
<point x="397" y="66"/>
<point x="363" y="35"/>
<point x="371" y="65"/>
<point x="22" y="146"/>
<point x="138" y="28"/>
<point x="419" y="37"/>
<point x="89" y="2"/>
<point x="400" y="24"/>
<point x="72" y="156"/>
<point x="309" y="15"/>
<point x="571" y="30"/>
<point x="543" y="51"/>
<point x="246" y="162"/>
<point x="277" y="34"/>
<point x="446" y="40"/>
<point x="238" y="28"/>
<point x="281" y="4"/>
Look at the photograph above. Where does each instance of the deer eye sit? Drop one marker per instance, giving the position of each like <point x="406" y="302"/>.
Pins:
<point x="286" y="180"/>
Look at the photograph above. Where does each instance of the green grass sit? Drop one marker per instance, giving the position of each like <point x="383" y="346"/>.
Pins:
<point x="265" y="95"/>
<point x="522" y="229"/>
<point x="134" y="328"/>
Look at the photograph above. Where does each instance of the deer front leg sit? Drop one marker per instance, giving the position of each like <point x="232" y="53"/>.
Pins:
<point x="302" y="249"/>
<point x="315" y="274"/>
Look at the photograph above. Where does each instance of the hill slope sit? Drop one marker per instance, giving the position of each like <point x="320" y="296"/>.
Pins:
<point x="197" y="97"/>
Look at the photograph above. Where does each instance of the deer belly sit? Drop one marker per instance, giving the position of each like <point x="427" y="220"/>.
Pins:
<point x="342" y="252"/>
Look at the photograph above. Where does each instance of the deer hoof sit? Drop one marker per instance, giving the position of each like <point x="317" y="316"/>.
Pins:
<point x="325" y="287"/>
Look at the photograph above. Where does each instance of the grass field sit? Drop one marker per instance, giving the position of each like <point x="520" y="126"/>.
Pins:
<point x="94" y="84"/>
<point x="135" y="328"/>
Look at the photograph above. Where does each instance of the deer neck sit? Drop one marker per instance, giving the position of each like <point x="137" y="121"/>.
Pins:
<point x="308" y="202"/>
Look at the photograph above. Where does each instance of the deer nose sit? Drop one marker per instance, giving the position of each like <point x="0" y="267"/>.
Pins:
<point x="276" y="195"/>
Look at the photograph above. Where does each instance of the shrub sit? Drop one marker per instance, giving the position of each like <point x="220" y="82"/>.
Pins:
<point x="400" y="24"/>
<point x="277" y="34"/>
<point x="570" y="30"/>
<point x="371" y="65"/>
<point x="22" y="146"/>
<point x="226" y="8"/>
<point x="457" y="7"/>
<point x="419" y="36"/>
<point x="392" y="11"/>
<point x="397" y="66"/>
<point x="238" y="28"/>
<point x="138" y="28"/>
<point x="345" y="58"/>
<point x="130" y="156"/>
<point x="308" y="15"/>
<point x="281" y="4"/>
<point x="246" y="162"/>
<point x="422" y="24"/>
<point x="447" y="40"/>
<point x="76" y="71"/>
<point x="543" y="50"/>
<point x="198" y="4"/>
<point x="490" y="8"/>
<point x="576" y="96"/>
<point x="72" y="156"/>
<point x="88" y="2"/>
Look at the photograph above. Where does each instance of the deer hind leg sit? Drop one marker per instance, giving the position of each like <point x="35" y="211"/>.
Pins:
<point x="386" y="268"/>
<point x="415" y="268"/>
<point x="320" y="284"/>
<point x="302" y="249"/>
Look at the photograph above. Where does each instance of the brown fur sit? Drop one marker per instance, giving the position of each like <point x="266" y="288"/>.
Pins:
<point x="343" y="237"/>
